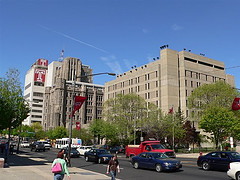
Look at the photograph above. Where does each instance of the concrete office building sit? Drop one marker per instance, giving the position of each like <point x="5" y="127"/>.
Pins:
<point x="34" y="90"/>
<point x="59" y="90"/>
<point x="170" y="79"/>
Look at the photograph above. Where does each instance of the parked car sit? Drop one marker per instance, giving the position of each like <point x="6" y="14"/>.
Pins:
<point x="24" y="144"/>
<point x="218" y="160"/>
<point x="37" y="146"/>
<point x="155" y="160"/>
<point x="83" y="149"/>
<point x="234" y="170"/>
<point x="147" y="146"/>
<point x="116" y="149"/>
<point x="98" y="155"/>
<point x="47" y="144"/>
<point x="74" y="152"/>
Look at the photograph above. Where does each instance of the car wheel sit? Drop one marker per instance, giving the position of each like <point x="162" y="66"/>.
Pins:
<point x="99" y="160"/>
<point x="205" y="166"/>
<point x="136" y="165"/>
<point x="238" y="176"/>
<point x="86" y="159"/>
<point x="158" y="168"/>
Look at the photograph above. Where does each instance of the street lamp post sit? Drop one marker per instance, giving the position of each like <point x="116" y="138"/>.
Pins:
<point x="71" y="119"/>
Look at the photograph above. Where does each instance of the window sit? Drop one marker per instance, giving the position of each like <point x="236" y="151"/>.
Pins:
<point x="156" y="93"/>
<point x="156" y="83"/>
<point x="186" y="83"/>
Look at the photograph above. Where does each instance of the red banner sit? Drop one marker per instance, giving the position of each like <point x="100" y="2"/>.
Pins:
<point x="235" y="104"/>
<point x="78" y="126"/>
<point x="79" y="100"/>
<point x="39" y="75"/>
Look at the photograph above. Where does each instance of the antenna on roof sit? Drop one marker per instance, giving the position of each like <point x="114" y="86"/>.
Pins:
<point x="61" y="57"/>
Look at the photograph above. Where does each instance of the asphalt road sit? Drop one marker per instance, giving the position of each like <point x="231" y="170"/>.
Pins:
<point x="190" y="171"/>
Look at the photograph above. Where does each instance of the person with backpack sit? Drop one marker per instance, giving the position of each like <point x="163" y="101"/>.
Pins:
<point x="112" y="167"/>
<point x="59" y="167"/>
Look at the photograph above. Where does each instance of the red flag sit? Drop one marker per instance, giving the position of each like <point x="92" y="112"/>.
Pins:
<point x="235" y="104"/>
<point x="170" y="111"/>
<point x="78" y="126"/>
<point x="79" y="100"/>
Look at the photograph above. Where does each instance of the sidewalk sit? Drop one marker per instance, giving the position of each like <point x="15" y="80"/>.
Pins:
<point x="22" y="167"/>
<point x="43" y="172"/>
<point x="188" y="155"/>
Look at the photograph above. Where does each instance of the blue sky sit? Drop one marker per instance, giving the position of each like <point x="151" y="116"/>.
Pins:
<point x="114" y="35"/>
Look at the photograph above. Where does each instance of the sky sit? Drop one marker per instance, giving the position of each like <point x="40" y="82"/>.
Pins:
<point x="114" y="35"/>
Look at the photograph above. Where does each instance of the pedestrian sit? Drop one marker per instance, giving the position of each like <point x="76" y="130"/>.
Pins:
<point x="112" y="167"/>
<point x="59" y="159"/>
<point x="65" y="156"/>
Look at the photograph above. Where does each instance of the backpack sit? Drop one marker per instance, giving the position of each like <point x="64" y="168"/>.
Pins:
<point x="57" y="168"/>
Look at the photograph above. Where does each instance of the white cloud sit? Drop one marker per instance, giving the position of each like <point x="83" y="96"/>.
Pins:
<point x="112" y="63"/>
<point x="176" y="27"/>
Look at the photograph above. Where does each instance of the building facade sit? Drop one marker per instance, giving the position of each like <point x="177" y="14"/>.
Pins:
<point x="35" y="81"/>
<point x="49" y="89"/>
<point x="59" y="92"/>
<point x="170" y="80"/>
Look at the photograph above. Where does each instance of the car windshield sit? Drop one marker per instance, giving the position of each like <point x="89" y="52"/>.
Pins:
<point x="157" y="146"/>
<point x="102" y="151"/>
<point x="235" y="155"/>
<point x="159" y="156"/>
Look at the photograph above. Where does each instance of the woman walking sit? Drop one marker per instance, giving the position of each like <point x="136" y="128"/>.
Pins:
<point x="60" y="175"/>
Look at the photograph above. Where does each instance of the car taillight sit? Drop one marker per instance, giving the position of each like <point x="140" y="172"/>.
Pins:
<point x="228" y="166"/>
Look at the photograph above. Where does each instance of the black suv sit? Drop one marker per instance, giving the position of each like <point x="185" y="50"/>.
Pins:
<point x="37" y="146"/>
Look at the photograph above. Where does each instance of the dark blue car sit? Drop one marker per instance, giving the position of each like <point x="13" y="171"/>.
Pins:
<point x="98" y="155"/>
<point x="155" y="160"/>
<point x="218" y="160"/>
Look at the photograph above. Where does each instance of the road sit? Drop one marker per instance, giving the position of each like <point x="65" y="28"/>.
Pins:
<point x="190" y="171"/>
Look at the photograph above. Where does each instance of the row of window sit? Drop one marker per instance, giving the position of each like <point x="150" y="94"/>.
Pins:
<point x="28" y="86"/>
<point x="203" y="63"/>
<point x="132" y="81"/>
<point x="201" y="76"/>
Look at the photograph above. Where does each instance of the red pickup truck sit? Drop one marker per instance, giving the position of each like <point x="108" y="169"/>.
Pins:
<point x="145" y="146"/>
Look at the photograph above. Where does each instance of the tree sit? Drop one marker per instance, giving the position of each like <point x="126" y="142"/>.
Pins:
<point x="13" y="109"/>
<point x="218" y="121"/>
<point x="123" y="111"/>
<point x="59" y="132"/>
<point x="208" y="95"/>
<point x="96" y="128"/>
<point x="84" y="135"/>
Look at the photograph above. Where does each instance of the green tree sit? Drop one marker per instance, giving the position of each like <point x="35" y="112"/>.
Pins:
<point x="13" y="109"/>
<point x="96" y="127"/>
<point x="123" y="111"/>
<point x="218" y="121"/>
<point x="84" y="135"/>
<point x="59" y="132"/>
<point x="208" y="95"/>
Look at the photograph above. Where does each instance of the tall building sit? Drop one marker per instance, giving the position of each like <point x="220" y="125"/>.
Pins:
<point x="34" y="90"/>
<point x="169" y="80"/>
<point x="49" y="88"/>
<point x="59" y="91"/>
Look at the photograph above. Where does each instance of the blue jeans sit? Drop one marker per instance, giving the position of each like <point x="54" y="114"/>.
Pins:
<point x="58" y="176"/>
<point x="113" y="174"/>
